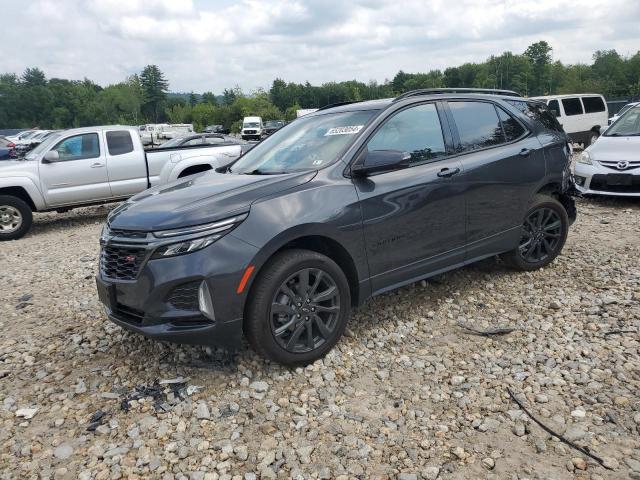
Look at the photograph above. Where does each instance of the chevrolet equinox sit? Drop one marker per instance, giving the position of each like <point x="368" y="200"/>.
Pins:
<point x="340" y="205"/>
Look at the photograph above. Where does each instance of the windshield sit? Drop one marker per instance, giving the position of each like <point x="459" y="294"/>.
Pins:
<point x="308" y="143"/>
<point x="44" y="146"/>
<point x="274" y="123"/>
<point x="251" y="125"/>
<point x="627" y="125"/>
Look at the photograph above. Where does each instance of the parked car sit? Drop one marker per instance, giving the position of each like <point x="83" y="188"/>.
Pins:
<point x="151" y="133"/>
<point x="204" y="139"/>
<point x="622" y="111"/>
<point x="217" y="129"/>
<point x="272" y="126"/>
<point x="175" y="130"/>
<point x="94" y="165"/>
<point x="340" y="205"/>
<point x="251" y="128"/>
<point x="26" y="145"/>
<point x="21" y="135"/>
<point x="611" y="166"/>
<point x="581" y="115"/>
<point x="7" y="149"/>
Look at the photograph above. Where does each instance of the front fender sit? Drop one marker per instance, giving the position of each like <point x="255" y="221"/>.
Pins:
<point x="28" y="185"/>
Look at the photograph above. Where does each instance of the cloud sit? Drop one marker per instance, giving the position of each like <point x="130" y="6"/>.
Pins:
<point x="202" y="45"/>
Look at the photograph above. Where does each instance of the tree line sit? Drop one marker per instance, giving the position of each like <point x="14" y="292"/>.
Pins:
<point x="31" y="99"/>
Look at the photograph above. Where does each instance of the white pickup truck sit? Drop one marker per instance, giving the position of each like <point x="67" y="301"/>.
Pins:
<point x="94" y="165"/>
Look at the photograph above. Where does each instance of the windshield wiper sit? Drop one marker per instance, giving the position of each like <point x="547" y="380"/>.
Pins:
<point x="257" y="171"/>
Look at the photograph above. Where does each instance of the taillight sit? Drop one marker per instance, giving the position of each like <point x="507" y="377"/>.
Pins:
<point x="11" y="145"/>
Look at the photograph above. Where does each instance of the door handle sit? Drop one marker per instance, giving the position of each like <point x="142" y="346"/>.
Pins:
<point x="525" y="152"/>
<point x="97" y="165"/>
<point x="448" y="172"/>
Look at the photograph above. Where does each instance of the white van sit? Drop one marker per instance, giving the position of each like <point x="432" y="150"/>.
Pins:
<point x="175" y="130"/>
<point x="252" y="128"/>
<point x="581" y="115"/>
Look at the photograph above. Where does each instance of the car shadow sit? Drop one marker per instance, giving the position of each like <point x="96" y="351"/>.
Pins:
<point x="46" y="222"/>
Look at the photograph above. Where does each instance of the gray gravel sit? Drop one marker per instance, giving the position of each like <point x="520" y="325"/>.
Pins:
<point x="406" y="394"/>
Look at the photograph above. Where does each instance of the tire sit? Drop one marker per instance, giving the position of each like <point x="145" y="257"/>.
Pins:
<point x="270" y="332"/>
<point x="523" y="257"/>
<point x="593" y="136"/>
<point x="15" y="218"/>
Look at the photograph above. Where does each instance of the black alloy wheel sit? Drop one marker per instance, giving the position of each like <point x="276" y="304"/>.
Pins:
<point x="305" y="310"/>
<point x="541" y="235"/>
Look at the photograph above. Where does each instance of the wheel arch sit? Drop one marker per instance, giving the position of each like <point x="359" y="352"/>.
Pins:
<point x="21" y="193"/>
<point x="555" y="190"/>
<point x="318" y="243"/>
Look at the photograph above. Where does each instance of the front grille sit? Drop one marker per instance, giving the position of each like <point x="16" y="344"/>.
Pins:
<point x="120" y="262"/>
<point x="614" y="165"/>
<point x="115" y="232"/>
<point x="249" y="131"/>
<point x="185" y="297"/>
<point x="129" y="314"/>
<point x="599" y="183"/>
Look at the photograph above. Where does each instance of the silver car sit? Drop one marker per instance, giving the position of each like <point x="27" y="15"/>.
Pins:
<point x="611" y="166"/>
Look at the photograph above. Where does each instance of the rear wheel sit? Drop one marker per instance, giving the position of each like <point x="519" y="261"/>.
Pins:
<point x="544" y="232"/>
<point x="15" y="217"/>
<point x="299" y="308"/>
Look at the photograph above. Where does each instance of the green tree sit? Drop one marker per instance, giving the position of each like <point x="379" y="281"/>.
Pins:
<point x="34" y="77"/>
<point x="154" y="88"/>
<point x="210" y="98"/>
<point x="540" y="55"/>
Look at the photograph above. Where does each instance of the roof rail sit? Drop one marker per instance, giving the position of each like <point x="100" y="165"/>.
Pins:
<point x="435" y="91"/>
<point x="337" y="104"/>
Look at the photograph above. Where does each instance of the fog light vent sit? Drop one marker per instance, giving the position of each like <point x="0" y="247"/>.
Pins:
<point x="204" y="301"/>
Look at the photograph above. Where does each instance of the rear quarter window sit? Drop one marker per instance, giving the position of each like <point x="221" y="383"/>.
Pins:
<point x="572" y="106"/>
<point x="539" y="113"/>
<point x="593" y="104"/>
<point x="119" y="142"/>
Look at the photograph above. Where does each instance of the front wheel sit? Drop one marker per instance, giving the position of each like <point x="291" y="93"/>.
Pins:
<point x="299" y="308"/>
<point x="15" y="217"/>
<point x="543" y="234"/>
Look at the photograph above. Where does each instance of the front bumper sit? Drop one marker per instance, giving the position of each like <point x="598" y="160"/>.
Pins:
<point x="162" y="301"/>
<point x="594" y="180"/>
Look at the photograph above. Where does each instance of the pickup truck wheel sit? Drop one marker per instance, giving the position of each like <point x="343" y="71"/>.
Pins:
<point x="544" y="232"/>
<point x="298" y="308"/>
<point x="15" y="217"/>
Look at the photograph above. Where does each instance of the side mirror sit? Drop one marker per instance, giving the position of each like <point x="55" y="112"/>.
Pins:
<point x="51" y="156"/>
<point x="380" y="161"/>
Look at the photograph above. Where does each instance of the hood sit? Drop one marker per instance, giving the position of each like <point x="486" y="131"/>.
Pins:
<point x="8" y="167"/>
<point x="615" y="148"/>
<point x="203" y="199"/>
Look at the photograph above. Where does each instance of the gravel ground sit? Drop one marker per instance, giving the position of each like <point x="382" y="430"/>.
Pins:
<point x="407" y="394"/>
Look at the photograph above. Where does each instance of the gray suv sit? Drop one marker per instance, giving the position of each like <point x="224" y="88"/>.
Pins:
<point x="340" y="205"/>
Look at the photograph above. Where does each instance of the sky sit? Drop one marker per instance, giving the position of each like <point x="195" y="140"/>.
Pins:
<point x="208" y="45"/>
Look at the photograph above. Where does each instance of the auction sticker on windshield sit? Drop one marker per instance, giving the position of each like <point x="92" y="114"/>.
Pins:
<point x="348" y="130"/>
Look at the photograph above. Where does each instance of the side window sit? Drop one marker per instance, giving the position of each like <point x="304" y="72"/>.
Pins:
<point x="119" y="142"/>
<point x="512" y="128"/>
<point x="554" y="106"/>
<point x="593" y="104"/>
<point x="214" y="140"/>
<point x="79" y="147"/>
<point x="478" y="125"/>
<point x="572" y="106"/>
<point x="415" y="130"/>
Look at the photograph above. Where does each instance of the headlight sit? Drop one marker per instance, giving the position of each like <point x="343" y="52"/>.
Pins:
<point x="585" y="158"/>
<point x="198" y="237"/>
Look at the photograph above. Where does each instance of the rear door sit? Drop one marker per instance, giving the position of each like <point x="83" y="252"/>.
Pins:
<point x="125" y="163"/>
<point x="502" y="165"/>
<point x="80" y="175"/>
<point x="413" y="219"/>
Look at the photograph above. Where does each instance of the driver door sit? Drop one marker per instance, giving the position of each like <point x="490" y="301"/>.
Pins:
<point x="79" y="176"/>
<point x="413" y="218"/>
